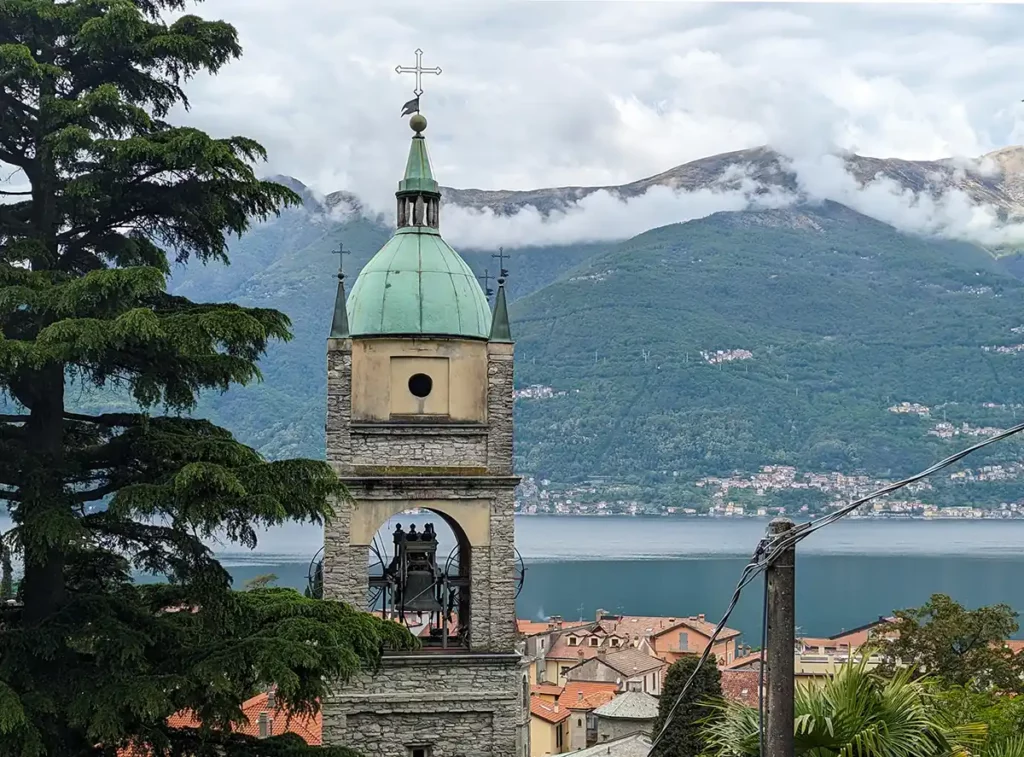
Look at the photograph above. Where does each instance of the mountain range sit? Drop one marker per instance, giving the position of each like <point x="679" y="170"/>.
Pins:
<point x="764" y="336"/>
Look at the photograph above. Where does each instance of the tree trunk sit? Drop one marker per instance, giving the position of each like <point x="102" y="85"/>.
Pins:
<point x="43" y="527"/>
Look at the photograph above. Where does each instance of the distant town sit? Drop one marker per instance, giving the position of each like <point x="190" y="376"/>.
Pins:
<point x="756" y="495"/>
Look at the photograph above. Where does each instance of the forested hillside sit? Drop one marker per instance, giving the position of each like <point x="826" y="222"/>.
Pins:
<point x="825" y="319"/>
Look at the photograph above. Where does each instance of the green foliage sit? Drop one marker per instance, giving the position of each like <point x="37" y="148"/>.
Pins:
<point x="960" y="647"/>
<point x="1003" y="715"/>
<point x="90" y="662"/>
<point x="856" y="712"/>
<point x="684" y="736"/>
<point x="260" y="582"/>
<point x="844" y="316"/>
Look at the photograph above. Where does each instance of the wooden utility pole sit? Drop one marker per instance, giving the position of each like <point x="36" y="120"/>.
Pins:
<point x="781" y="641"/>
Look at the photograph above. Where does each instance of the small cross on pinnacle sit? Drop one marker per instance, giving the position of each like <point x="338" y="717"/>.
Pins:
<point x="419" y="70"/>
<point x="501" y="257"/>
<point x="341" y="252"/>
<point x="487" y="278"/>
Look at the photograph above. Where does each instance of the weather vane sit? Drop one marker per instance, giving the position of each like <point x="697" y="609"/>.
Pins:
<point x="413" y="106"/>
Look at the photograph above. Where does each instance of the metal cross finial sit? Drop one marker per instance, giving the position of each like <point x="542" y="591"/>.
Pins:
<point x="341" y="252"/>
<point x="419" y="70"/>
<point x="501" y="258"/>
<point x="487" y="278"/>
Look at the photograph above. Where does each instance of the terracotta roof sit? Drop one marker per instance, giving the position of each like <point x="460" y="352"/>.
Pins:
<point x="856" y="637"/>
<point x="535" y="627"/>
<point x="587" y="695"/>
<point x="742" y="662"/>
<point x="549" y="711"/>
<point x="651" y="625"/>
<point x="561" y="650"/>
<point x="741" y="686"/>
<point x="630" y="705"/>
<point x="308" y="728"/>
<point x="546" y="689"/>
<point x="1015" y="645"/>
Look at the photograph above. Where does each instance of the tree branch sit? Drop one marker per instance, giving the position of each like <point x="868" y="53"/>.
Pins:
<point x="107" y="419"/>
<point x="14" y="418"/>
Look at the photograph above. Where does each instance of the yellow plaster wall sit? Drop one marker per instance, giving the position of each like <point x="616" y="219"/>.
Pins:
<point x="543" y="737"/>
<point x="381" y="369"/>
<point x="471" y="515"/>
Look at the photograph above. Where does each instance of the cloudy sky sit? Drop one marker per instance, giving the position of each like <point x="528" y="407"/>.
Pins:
<point x="553" y="93"/>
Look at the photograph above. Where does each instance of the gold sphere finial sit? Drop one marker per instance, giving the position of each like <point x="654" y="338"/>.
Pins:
<point x="418" y="122"/>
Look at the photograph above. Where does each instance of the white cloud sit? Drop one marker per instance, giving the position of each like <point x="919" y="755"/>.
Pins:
<point x="600" y="216"/>
<point x="592" y="94"/>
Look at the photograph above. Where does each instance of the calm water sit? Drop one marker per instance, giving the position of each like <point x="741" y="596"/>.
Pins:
<point x="847" y="574"/>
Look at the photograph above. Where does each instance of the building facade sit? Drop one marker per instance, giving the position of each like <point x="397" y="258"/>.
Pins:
<point x="419" y="416"/>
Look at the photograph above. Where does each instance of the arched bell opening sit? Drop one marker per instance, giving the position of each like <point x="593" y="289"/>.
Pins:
<point x="419" y="575"/>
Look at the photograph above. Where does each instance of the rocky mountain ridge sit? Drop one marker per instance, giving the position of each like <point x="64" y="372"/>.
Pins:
<point x="995" y="179"/>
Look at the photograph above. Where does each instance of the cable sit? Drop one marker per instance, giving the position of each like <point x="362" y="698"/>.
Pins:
<point x="750" y="572"/>
<point x="769" y="549"/>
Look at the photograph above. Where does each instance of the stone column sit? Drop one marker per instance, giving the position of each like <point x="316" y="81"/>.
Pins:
<point x="339" y="405"/>
<point x="499" y="408"/>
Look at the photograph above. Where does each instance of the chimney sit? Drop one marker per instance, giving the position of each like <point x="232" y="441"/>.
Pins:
<point x="272" y="699"/>
<point x="266" y="725"/>
<point x="700" y="617"/>
<point x="600" y="614"/>
<point x="579" y="695"/>
<point x="580" y="654"/>
<point x="556" y="707"/>
<point x="555" y="622"/>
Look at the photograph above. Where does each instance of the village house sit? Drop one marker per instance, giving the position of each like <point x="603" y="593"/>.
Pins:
<point x="630" y="669"/>
<point x="573" y="718"/>
<point x="557" y="647"/>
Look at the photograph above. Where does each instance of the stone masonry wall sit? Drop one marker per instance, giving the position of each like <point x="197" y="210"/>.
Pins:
<point x="339" y="405"/>
<point x="458" y="705"/>
<point x="433" y="446"/>
<point x="609" y="729"/>
<point x="499" y="409"/>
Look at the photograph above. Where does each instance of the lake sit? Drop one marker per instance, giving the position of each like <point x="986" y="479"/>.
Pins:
<point x="847" y="574"/>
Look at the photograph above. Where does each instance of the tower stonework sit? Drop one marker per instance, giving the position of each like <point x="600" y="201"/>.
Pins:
<point x="419" y="415"/>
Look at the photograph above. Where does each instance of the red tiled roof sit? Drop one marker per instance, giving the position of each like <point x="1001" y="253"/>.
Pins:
<point x="549" y="711"/>
<point x="1015" y="645"/>
<point x="740" y="686"/>
<point x="741" y="662"/>
<point x="546" y="689"/>
<point x="534" y="627"/>
<point x="587" y="695"/>
<point x="649" y="626"/>
<point x="308" y="728"/>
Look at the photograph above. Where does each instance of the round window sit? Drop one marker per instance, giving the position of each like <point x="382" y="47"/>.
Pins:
<point x="420" y="384"/>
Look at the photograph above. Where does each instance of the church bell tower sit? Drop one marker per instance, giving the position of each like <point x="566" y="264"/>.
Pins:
<point x="419" y="416"/>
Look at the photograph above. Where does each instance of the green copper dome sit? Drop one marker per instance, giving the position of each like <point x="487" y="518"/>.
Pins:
<point x="416" y="284"/>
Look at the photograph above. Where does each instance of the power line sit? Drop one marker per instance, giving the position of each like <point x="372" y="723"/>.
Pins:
<point x="767" y="552"/>
<point x="750" y="572"/>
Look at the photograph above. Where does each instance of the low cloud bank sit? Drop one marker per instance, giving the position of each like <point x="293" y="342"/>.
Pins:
<point x="941" y="209"/>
